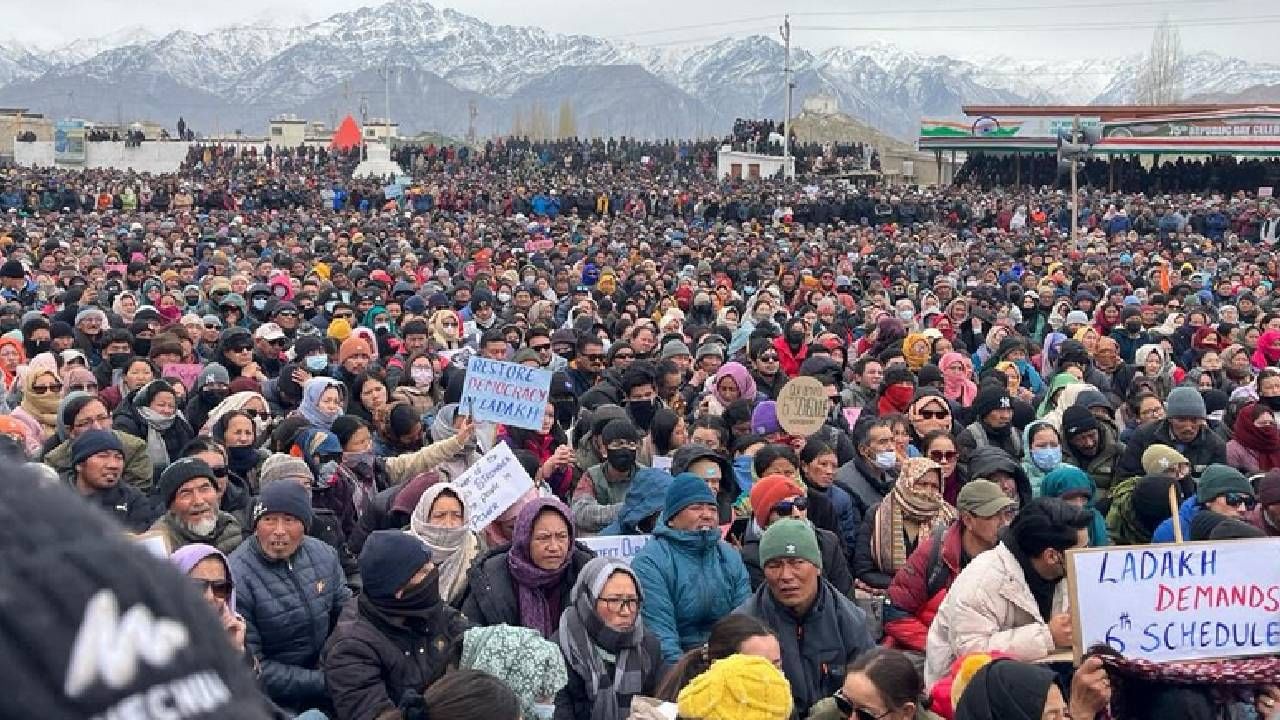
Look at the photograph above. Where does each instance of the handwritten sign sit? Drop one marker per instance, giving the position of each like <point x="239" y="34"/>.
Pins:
<point x="506" y="393"/>
<point x="185" y="373"/>
<point x="803" y="406"/>
<point x="1177" y="602"/>
<point x="493" y="484"/>
<point x="1265" y="191"/>
<point x="661" y="462"/>
<point x="539" y="244"/>
<point x="618" y="547"/>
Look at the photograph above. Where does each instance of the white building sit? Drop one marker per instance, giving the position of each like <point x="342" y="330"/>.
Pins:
<point x="751" y="166"/>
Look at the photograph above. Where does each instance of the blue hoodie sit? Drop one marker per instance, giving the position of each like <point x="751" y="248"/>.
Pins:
<point x="644" y="498"/>
<point x="1186" y="512"/>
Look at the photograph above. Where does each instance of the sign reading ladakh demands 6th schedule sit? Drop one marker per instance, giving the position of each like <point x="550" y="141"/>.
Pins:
<point x="506" y="393"/>
<point x="493" y="484"/>
<point x="1178" y="602"/>
<point x="803" y="406"/>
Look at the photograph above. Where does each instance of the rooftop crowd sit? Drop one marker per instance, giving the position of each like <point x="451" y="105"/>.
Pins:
<point x="254" y="366"/>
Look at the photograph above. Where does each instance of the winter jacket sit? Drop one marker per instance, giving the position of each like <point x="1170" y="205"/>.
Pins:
<point x="289" y="607"/>
<point x="865" y="567"/>
<point x="491" y="597"/>
<point x="574" y="701"/>
<point x="1206" y="449"/>
<point x="597" y="499"/>
<point x="834" y="566"/>
<point x="127" y="420"/>
<point x="137" y="464"/>
<point x="686" y="455"/>
<point x="127" y="505"/>
<point x="990" y="607"/>
<point x="816" y="648"/>
<point x="226" y="536"/>
<point x="369" y="662"/>
<point x="865" y="488"/>
<point x="920" y="586"/>
<point x="644" y="500"/>
<point x="1101" y="468"/>
<point x="690" y="579"/>
<point x="788" y="361"/>
<point x="846" y="518"/>
<point x="1187" y="512"/>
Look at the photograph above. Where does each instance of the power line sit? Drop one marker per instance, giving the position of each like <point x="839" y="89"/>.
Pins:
<point x="1045" y="27"/>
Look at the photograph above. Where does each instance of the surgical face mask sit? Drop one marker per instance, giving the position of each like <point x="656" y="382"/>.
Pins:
<point x="886" y="460"/>
<point x="381" y="327"/>
<point x="316" y="363"/>
<point x="1047" y="458"/>
<point x="504" y="298"/>
<point x="906" y="315"/>
<point x="259" y="303"/>
<point x="422" y="376"/>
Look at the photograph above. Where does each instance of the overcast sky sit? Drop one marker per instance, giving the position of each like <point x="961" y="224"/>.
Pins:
<point x="964" y="26"/>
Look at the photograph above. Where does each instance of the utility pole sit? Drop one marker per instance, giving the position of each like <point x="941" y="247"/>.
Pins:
<point x="1075" y="193"/>
<point x="472" y="112"/>
<point x="386" y="98"/>
<point x="785" y="31"/>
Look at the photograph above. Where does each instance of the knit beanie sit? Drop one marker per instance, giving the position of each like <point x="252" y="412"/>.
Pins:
<point x="790" y="537"/>
<point x="281" y="466"/>
<point x="287" y="498"/>
<point x="1268" y="487"/>
<point x="387" y="561"/>
<point x="339" y="330"/>
<point x="930" y="375"/>
<point x="739" y="687"/>
<point x="93" y="442"/>
<point x="764" y="419"/>
<point x="352" y="345"/>
<point x="181" y="472"/>
<point x="1185" y="402"/>
<point x="769" y="491"/>
<point x="1203" y="524"/>
<point x="1077" y="420"/>
<point x="619" y="429"/>
<point x="1158" y="458"/>
<point x="989" y="399"/>
<point x="686" y="489"/>
<point x="1218" y="480"/>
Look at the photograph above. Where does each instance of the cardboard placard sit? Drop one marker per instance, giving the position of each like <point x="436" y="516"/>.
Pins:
<point x="492" y="485"/>
<point x="505" y="393"/>
<point x="1265" y="191"/>
<point x="618" y="547"/>
<point x="1166" y="602"/>
<point x="803" y="406"/>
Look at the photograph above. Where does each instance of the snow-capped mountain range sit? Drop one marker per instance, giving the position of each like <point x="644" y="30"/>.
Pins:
<point x="440" y="61"/>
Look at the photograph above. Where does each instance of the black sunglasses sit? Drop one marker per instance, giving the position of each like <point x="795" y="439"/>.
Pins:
<point x="786" y="507"/>
<point x="1238" y="499"/>
<point x="221" y="589"/>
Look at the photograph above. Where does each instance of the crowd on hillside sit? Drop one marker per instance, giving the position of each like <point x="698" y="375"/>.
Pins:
<point x="1220" y="175"/>
<point x="255" y="367"/>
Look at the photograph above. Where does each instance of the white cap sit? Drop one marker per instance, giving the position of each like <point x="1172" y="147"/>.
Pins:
<point x="269" y="331"/>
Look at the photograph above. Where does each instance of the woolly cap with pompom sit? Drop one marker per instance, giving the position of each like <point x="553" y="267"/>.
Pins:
<point x="739" y="687"/>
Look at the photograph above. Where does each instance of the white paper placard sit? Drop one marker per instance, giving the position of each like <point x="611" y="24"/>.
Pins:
<point x="618" y="547"/>
<point x="493" y="484"/>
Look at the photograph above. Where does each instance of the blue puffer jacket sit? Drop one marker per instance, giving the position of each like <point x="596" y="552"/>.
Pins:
<point x="690" y="580"/>
<point x="644" y="498"/>
<point x="1187" y="512"/>
<point x="289" y="607"/>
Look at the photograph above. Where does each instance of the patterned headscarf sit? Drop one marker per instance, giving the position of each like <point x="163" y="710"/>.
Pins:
<point x="907" y="502"/>
<point x="530" y="665"/>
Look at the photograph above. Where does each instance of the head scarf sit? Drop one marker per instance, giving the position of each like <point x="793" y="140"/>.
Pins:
<point x="584" y="634"/>
<point x="538" y="590"/>
<point x="740" y="376"/>
<point x="309" y="407"/>
<point x="958" y="385"/>
<point x="76" y="376"/>
<point x="532" y="667"/>
<point x="1068" y="479"/>
<point x="907" y="502"/>
<point x="916" y="348"/>
<point x="1263" y="443"/>
<point x="495" y="533"/>
<point x="1006" y="690"/>
<point x="1268" y="351"/>
<point x="452" y="549"/>
<point x="188" y="556"/>
<point x="44" y="408"/>
<point x="1049" y="352"/>
<point x="238" y="401"/>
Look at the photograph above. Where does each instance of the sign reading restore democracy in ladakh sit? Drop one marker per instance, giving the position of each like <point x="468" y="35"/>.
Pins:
<point x="1178" y="602"/>
<point x="506" y="393"/>
<point x="492" y="485"/>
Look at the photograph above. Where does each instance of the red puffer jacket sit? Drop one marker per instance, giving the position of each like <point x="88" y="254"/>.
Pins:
<point x="919" y="588"/>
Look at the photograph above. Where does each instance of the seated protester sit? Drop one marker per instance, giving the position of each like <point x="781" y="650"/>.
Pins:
<point x="882" y="683"/>
<point x="996" y="465"/>
<point x="818" y="465"/>
<point x="332" y="488"/>
<point x="80" y="412"/>
<point x="466" y="695"/>
<point x="777" y="459"/>
<point x="919" y="587"/>
<point x="188" y="492"/>
<point x="326" y="524"/>
<point x="550" y="445"/>
<point x="690" y="577"/>
<point x="290" y="590"/>
<point x="739" y="686"/>
<point x="390" y="509"/>
<point x="775" y="497"/>
<point x="527" y="582"/>
<point x="233" y="497"/>
<point x="940" y="447"/>
<point x="1255" y="441"/>
<point x="38" y="411"/>
<point x="151" y="414"/>
<point x="1011" y="598"/>
<point x="442" y="521"/>
<point x="821" y="630"/>
<point x="323" y="400"/>
<point x="893" y="529"/>
<point x="600" y="491"/>
<point x="733" y="635"/>
<point x="1042" y="452"/>
<point x="396" y="636"/>
<point x="97" y="465"/>
<point x="869" y="476"/>
<point x="642" y="505"/>
<point x="1140" y="504"/>
<point x="667" y="432"/>
<point x="210" y="389"/>
<point x="1183" y="429"/>
<point x="400" y="428"/>
<point x="928" y="412"/>
<point x="714" y="468"/>
<point x="610" y="655"/>
<point x="992" y="426"/>
<point x="459" y="456"/>
<point x="1091" y="446"/>
<point x="1221" y="489"/>
<point x="237" y="432"/>
<point x="1072" y="485"/>
<point x="533" y="667"/>
<point x="1267" y="519"/>
<point x="210" y="571"/>
<point x="589" y="449"/>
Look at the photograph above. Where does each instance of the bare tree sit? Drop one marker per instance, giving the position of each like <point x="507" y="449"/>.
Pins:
<point x="567" y="126"/>
<point x="1160" y="79"/>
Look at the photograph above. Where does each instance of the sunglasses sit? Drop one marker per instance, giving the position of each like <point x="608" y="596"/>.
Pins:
<point x="42" y="389"/>
<point x="221" y="589"/>
<point x="84" y="387"/>
<point x="943" y="455"/>
<point x="786" y="507"/>
<point x="624" y="356"/>
<point x="769" y="357"/>
<point x="343" y="316"/>
<point x="239" y="349"/>
<point x="934" y="414"/>
<point x="212" y="327"/>
<point x="1238" y="499"/>
<point x="540" y="348"/>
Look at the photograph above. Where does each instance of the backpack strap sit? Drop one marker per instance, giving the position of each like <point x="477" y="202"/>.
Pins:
<point x="936" y="572"/>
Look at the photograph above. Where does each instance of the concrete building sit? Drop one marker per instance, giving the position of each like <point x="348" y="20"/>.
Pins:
<point x="20" y="121"/>
<point x="376" y="129"/>
<point x="750" y="166"/>
<point x="287" y="131"/>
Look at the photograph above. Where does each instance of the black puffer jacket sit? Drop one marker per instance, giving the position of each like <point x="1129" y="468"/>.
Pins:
<point x="135" y="511"/>
<point x="126" y="419"/>
<point x="289" y="607"/>
<point x="378" y="515"/>
<point x="370" y="661"/>
<point x="491" y="597"/>
<point x="835" y="568"/>
<point x="686" y="455"/>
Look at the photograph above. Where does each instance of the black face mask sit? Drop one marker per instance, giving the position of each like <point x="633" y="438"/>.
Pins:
<point x="423" y="596"/>
<point x="1133" y="327"/>
<point x="213" y="397"/>
<point x="642" y="412"/>
<point x="1272" y="402"/>
<point x="35" y="347"/>
<point x="117" y="361"/>
<point x="621" y="459"/>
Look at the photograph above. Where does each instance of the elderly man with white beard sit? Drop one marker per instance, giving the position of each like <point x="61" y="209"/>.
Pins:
<point x="192" y="516"/>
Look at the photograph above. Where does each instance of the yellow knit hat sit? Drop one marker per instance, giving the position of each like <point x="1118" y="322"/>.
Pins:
<point x="339" y="329"/>
<point x="739" y="687"/>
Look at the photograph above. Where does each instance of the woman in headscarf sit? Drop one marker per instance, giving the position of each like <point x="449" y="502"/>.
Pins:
<point x="895" y="525"/>
<point x="527" y="583"/>
<point x="916" y="349"/>
<point x="152" y="414"/>
<point x="1154" y="363"/>
<point x="252" y="403"/>
<point x="240" y="434"/>
<point x="1041" y="452"/>
<point x="552" y="449"/>
<point x="957" y="379"/>
<point x="12" y="357"/>
<point x="1255" y="440"/>
<point x="1011" y="690"/>
<point x="442" y="521"/>
<point x="38" y="412"/>
<point x="1074" y="485"/>
<point x="125" y="305"/>
<point x="1049" y="352"/>
<point x="446" y="330"/>
<point x="1268" y="352"/>
<point x="445" y="426"/>
<point x="503" y="528"/>
<point x="210" y="572"/>
<point x="732" y="382"/>
<point x="611" y="657"/>
<point x="523" y="660"/>
<point x="322" y="402"/>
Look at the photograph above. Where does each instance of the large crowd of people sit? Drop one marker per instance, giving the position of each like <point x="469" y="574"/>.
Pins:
<point x="255" y="365"/>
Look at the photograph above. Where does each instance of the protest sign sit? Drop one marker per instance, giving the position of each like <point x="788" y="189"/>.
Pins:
<point x="185" y="373"/>
<point x="617" y="547"/>
<point x="661" y="462"/>
<point x="1265" y="191"/>
<point x="1177" y="601"/>
<point x="803" y="406"/>
<point x="506" y="393"/>
<point x="492" y="485"/>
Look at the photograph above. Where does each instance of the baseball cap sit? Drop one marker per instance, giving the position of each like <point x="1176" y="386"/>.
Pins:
<point x="983" y="498"/>
<point x="269" y="331"/>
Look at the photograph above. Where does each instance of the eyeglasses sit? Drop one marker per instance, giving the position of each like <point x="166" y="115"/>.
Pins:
<point x="620" y="604"/>
<point x="84" y="387"/>
<point x="221" y="589"/>
<point x="769" y="357"/>
<point x="42" y="389"/>
<point x="786" y="507"/>
<point x="1238" y="499"/>
<point x="943" y="455"/>
<point x="99" y="421"/>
